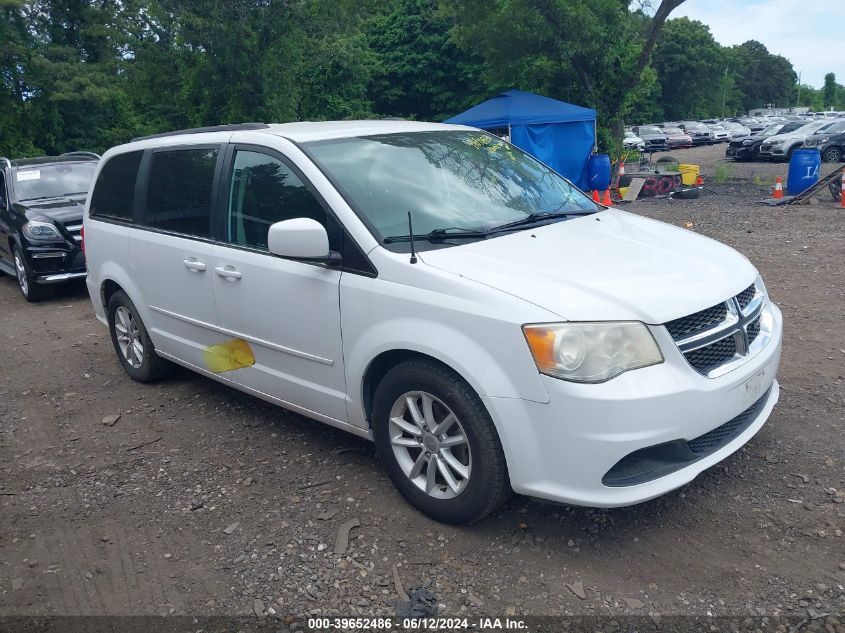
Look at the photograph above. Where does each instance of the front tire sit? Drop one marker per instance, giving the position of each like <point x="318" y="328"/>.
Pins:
<point x="438" y="443"/>
<point x="132" y="344"/>
<point x="832" y="155"/>
<point x="30" y="290"/>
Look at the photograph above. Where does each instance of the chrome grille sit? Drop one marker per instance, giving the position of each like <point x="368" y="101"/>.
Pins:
<point x="698" y="322"/>
<point x="753" y="330"/>
<point x="75" y="231"/>
<point x="707" y="358"/>
<point x="718" y="338"/>
<point x="746" y="296"/>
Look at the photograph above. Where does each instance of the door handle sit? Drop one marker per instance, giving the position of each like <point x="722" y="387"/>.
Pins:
<point x="228" y="272"/>
<point x="194" y="265"/>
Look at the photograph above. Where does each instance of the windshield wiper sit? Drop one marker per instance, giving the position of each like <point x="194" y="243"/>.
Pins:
<point x="438" y="234"/>
<point x="533" y="218"/>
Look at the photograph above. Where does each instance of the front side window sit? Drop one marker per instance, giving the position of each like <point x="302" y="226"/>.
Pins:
<point x="448" y="180"/>
<point x="41" y="182"/>
<point x="179" y="191"/>
<point x="263" y="191"/>
<point x="114" y="192"/>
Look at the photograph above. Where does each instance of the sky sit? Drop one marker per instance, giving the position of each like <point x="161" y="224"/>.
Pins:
<point x="807" y="32"/>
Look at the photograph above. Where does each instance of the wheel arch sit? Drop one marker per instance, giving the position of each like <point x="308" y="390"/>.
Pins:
<point x="383" y="363"/>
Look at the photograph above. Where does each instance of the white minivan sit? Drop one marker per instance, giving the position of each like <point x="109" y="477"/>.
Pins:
<point x="440" y="292"/>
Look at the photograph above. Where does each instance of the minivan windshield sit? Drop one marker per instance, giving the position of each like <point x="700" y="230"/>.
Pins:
<point x="36" y="182"/>
<point x="450" y="181"/>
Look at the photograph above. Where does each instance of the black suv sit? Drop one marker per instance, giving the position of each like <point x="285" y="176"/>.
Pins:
<point x="41" y="203"/>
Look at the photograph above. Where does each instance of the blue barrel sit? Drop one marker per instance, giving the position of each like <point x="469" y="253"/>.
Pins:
<point x="598" y="172"/>
<point x="803" y="170"/>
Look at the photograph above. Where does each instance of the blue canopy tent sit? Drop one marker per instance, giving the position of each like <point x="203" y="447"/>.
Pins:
<point x="560" y="134"/>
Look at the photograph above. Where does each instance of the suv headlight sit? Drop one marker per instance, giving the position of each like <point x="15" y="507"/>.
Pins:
<point x="821" y="141"/>
<point x="591" y="352"/>
<point x="747" y="142"/>
<point x="41" y="231"/>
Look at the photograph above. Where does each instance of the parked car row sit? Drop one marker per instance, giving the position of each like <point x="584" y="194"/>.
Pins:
<point x="768" y="137"/>
<point x="780" y="140"/>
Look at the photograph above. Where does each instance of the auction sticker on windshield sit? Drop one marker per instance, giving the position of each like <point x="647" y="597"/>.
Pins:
<point x="30" y="174"/>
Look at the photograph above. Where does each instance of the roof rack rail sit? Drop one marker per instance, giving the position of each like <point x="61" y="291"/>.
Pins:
<point x="93" y="154"/>
<point x="213" y="128"/>
<point x="7" y="161"/>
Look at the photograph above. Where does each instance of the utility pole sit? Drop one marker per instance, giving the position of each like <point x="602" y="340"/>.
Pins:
<point x="798" y="96"/>
<point x="724" y="91"/>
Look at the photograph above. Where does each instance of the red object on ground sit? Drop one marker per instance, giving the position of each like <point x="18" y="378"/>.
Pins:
<point x="606" y="201"/>
<point x="596" y="196"/>
<point x="778" y="192"/>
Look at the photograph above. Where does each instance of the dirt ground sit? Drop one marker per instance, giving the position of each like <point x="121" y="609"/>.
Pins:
<point x="201" y="500"/>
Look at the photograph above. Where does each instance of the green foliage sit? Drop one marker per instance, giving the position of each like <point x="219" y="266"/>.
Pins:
<point x="831" y="92"/>
<point x="89" y="74"/>
<point x="690" y="66"/>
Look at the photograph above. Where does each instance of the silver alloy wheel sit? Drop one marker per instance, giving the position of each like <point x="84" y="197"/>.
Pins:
<point x="832" y="155"/>
<point x="430" y="444"/>
<point x="128" y="336"/>
<point x="21" y="272"/>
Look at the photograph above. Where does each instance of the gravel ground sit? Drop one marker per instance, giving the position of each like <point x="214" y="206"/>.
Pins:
<point x="190" y="498"/>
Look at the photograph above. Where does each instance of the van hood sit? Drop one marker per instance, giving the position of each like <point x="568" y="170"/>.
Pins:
<point x="608" y="266"/>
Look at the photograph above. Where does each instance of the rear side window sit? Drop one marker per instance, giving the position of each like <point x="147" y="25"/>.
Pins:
<point x="179" y="191"/>
<point x="114" y="191"/>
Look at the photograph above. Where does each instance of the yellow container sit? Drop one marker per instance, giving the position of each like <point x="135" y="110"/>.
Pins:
<point x="623" y="191"/>
<point x="689" y="174"/>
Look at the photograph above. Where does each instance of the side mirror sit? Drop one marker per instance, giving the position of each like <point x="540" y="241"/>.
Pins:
<point x="300" y="238"/>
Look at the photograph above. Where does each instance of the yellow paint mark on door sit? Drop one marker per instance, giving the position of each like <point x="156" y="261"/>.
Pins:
<point x="234" y="354"/>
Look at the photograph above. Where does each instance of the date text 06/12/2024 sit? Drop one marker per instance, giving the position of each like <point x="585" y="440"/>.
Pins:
<point x="431" y="624"/>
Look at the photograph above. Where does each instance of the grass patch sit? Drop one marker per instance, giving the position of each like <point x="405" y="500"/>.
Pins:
<point x="723" y="172"/>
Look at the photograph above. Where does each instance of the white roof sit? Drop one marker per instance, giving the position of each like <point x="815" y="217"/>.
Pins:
<point x="316" y="131"/>
<point x="296" y="132"/>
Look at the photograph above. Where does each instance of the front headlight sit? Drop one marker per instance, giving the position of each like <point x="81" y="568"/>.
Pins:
<point x="821" y="141"/>
<point x="41" y="231"/>
<point x="747" y="142"/>
<point x="776" y="142"/>
<point x="591" y="352"/>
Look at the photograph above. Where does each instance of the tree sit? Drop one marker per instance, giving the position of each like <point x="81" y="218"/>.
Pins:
<point x="592" y="52"/>
<point x="764" y="79"/>
<point x="419" y="72"/>
<point x="829" y="90"/>
<point x="689" y="64"/>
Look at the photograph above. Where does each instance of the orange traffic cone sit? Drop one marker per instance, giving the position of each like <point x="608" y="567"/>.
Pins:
<point x="778" y="192"/>
<point x="622" y="168"/>
<point x="596" y="196"/>
<point x="606" y="201"/>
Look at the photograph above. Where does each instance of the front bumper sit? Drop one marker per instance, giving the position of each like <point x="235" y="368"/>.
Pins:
<point x="56" y="263"/>
<point x="562" y="450"/>
<point x="745" y="151"/>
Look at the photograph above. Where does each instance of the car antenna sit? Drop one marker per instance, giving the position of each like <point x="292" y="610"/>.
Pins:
<point x="411" y="237"/>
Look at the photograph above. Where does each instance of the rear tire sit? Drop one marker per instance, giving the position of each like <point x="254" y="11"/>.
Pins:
<point x="453" y="472"/>
<point x="31" y="291"/>
<point x="132" y="344"/>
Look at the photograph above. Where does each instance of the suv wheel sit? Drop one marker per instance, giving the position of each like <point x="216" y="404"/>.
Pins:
<point x="438" y="443"/>
<point x="133" y="346"/>
<point x="26" y="281"/>
<point x="832" y="155"/>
